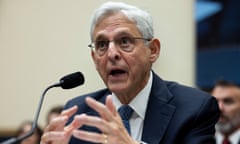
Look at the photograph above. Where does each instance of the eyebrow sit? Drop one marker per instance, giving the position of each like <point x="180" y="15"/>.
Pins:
<point x="100" y="37"/>
<point x="123" y="33"/>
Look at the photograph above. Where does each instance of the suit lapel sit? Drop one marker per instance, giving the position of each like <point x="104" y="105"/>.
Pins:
<point x="158" y="114"/>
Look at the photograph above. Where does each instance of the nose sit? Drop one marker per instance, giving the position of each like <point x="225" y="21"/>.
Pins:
<point x="221" y="106"/>
<point x="113" y="51"/>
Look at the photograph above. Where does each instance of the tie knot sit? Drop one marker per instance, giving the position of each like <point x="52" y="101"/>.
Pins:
<point x="125" y="112"/>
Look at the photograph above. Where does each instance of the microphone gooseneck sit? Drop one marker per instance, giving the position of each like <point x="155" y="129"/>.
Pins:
<point x="67" y="82"/>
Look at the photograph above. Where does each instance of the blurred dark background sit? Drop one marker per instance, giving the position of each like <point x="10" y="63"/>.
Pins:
<point x="217" y="42"/>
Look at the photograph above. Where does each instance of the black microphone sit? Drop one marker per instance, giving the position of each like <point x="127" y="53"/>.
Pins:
<point x="72" y="80"/>
<point x="67" y="82"/>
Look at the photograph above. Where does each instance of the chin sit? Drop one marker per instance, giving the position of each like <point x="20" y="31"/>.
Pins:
<point x="117" y="88"/>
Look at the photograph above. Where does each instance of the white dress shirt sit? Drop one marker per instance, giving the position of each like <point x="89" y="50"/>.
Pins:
<point x="139" y="105"/>
<point x="233" y="138"/>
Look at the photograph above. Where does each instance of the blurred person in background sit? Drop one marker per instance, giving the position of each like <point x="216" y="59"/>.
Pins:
<point x="24" y="128"/>
<point x="228" y="127"/>
<point x="53" y="112"/>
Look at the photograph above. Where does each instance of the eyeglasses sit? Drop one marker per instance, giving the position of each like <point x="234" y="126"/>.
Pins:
<point x="125" y="44"/>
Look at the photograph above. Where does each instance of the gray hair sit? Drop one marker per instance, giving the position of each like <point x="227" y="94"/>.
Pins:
<point x="141" y="17"/>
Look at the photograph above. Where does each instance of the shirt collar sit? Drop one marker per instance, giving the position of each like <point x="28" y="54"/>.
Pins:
<point x="233" y="138"/>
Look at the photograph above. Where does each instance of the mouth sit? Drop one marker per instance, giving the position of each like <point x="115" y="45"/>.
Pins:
<point x="223" y="119"/>
<point x="117" y="75"/>
<point x="117" y="72"/>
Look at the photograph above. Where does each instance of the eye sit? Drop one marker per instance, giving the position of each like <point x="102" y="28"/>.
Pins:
<point x="125" y="42"/>
<point x="101" y="45"/>
<point x="228" y="101"/>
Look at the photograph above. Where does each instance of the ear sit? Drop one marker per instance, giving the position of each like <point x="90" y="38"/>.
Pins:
<point x="154" y="46"/>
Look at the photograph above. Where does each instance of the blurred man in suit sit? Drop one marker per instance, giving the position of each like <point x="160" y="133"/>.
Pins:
<point x="228" y="126"/>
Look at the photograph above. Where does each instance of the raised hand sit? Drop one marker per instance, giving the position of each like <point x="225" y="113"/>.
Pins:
<point x="109" y="123"/>
<point x="56" y="132"/>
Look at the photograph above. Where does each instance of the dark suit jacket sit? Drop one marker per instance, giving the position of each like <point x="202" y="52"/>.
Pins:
<point x="175" y="114"/>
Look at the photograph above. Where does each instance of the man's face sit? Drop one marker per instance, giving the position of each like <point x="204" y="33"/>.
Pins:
<point x="122" y="72"/>
<point x="229" y="103"/>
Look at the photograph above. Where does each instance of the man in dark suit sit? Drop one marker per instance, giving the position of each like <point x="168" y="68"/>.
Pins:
<point x="137" y="106"/>
<point x="228" y="127"/>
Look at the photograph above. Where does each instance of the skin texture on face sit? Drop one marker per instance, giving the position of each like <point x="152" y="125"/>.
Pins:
<point x="124" y="73"/>
<point x="229" y="103"/>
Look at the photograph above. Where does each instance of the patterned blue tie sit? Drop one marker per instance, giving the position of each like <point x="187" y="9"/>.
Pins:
<point x="125" y="112"/>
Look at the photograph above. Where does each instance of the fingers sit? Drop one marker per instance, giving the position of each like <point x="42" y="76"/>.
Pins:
<point x="108" y="123"/>
<point x="110" y="105"/>
<point x="59" y="122"/>
<point x="54" y="137"/>
<point x="92" y="121"/>
<point x="91" y="136"/>
<point x="56" y="132"/>
<point x="104" y="112"/>
<point x="69" y="112"/>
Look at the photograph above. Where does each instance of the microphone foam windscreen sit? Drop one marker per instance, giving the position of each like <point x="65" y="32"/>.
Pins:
<point x="72" y="80"/>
